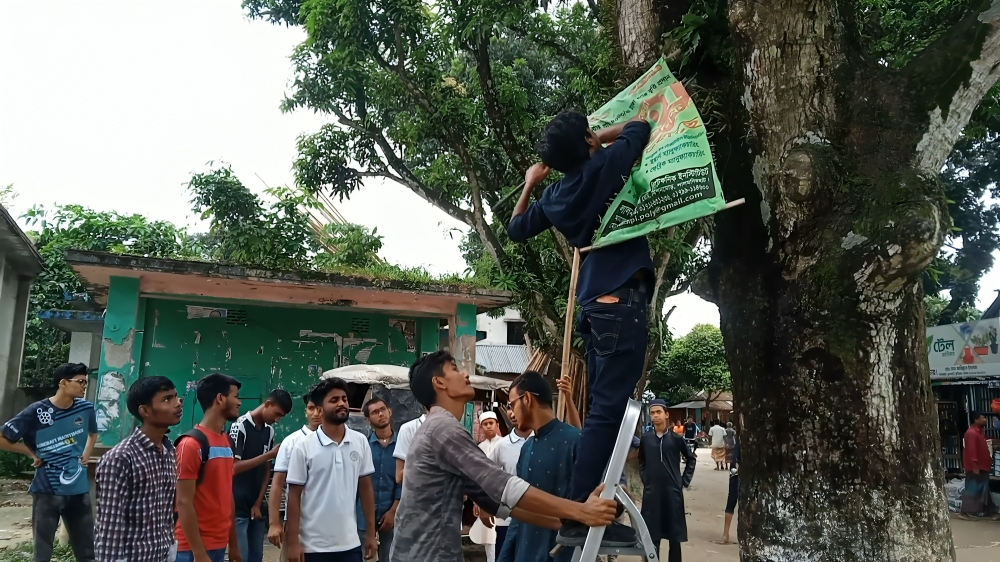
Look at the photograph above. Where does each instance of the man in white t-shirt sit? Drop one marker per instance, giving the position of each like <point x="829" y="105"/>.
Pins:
<point x="329" y="469"/>
<point x="276" y="499"/>
<point x="403" y="440"/>
<point x="483" y="531"/>
<point x="718" y="435"/>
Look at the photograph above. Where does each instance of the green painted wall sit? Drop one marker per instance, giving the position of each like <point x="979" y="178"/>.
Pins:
<point x="268" y="347"/>
<point x="120" y="358"/>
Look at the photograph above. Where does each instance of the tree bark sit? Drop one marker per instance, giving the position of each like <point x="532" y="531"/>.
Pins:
<point x="818" y="281"/>
<point x="638" y="33"/>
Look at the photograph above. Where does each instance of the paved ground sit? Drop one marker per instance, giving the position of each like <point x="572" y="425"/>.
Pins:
<point x="975" y="541"/>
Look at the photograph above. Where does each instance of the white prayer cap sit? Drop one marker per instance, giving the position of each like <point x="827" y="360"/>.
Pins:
<point x="487" y="416"/>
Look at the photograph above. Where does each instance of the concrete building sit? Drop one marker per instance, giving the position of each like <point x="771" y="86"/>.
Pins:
<point x="20" y="263"/>
<point x="269" y="329"/>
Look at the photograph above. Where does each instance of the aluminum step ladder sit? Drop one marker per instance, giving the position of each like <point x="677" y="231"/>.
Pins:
<point x="644" y="548"/>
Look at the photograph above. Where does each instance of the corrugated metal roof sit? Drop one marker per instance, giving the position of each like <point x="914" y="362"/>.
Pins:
<point x="497" y="358"/>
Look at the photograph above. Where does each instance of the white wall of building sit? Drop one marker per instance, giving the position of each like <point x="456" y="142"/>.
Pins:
<point x="496" y="328"/>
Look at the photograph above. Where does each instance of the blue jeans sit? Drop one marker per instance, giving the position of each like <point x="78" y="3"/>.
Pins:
<point x="217" y="555"/>
<point x="615" y="336"/>
<point x="250" y="534"/>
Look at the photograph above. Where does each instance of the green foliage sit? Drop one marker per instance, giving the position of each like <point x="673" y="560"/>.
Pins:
<point x="7" y="195"/>
<point x="24" y="552"/>
<point x="971" y="186"/>
<point x="14" y="465"/>
<point x="690" y="364"/>
<point x="73" y="226"/>
<point x="894" y="31"/>
<point x="935" y="307"/>
<point x="351" y="245"/>
<point x="244" y="230"/>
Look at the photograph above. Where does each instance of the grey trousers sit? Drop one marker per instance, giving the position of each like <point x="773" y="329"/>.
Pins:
<point x="384" y="543"/>
<point x="46" y="509"/>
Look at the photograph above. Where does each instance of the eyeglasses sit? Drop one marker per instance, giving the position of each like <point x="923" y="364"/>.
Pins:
<point x="81" y="382"/>
<point x="510" y="405"/>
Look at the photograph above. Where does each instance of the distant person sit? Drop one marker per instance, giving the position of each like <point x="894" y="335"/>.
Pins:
<point x="444" y="464"/>
<point x="327" y="473"/>
<point x="734" y="492"/>
<point x="978" y="464"/>
<point x="279" y="489"/>
<point x="206" y="513"/>
<point x="59" y="435"/>
<point x="253" y="451"/>
<point x="690" y="429"/>
<point x="730" y="440"/>
<point x="660" y="454"/>
<point x="382" y="442"/>
<point x="483" y="530"/>
<point x="406" y="433"/>
<point x="678" y="428"/>
<point x="718" y="437"/>
<point x="137" y="480"/>
<point x="545" y="461"/>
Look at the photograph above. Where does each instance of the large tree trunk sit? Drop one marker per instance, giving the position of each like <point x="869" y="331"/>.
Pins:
<point x="818" y="278"/>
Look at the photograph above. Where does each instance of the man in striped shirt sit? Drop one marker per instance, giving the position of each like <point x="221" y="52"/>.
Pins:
<point x="137" y="480"/>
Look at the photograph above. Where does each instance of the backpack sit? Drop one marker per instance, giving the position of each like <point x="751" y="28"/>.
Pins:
<point x="202" y="440"/>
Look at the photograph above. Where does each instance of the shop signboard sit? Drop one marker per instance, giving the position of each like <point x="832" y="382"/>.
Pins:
<point x="964" y="350"/>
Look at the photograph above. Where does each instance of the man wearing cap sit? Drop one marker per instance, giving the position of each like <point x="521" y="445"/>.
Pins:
<point x="480" y="533"/>
<point x="660" y="454"/>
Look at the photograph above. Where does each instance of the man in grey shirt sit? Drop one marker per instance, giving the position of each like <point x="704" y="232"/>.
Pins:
<point x="444" y="464"/>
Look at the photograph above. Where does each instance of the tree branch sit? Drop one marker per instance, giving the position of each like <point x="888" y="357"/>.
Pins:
<point x="954" y="74"/>
<point x="557" y="47"/>
<point x="484" y="69"/>
<point x="406" y="176"/>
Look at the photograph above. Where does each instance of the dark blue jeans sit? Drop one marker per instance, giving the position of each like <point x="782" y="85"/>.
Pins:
<point x="217" y="555"/>
<point x="615" y="336"/>
<point x="250" y="533"/>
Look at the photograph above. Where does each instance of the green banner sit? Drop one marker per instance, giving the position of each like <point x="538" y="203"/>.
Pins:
<point x="675" y="180"/>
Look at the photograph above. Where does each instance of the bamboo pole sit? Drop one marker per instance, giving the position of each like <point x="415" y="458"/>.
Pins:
<point x="567" y="352"/>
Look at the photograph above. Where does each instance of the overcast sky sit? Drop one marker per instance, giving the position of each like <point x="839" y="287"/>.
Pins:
<point x="114" y="104"/>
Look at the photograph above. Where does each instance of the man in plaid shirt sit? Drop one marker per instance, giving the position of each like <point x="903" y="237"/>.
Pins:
<point x="137" y="480"/>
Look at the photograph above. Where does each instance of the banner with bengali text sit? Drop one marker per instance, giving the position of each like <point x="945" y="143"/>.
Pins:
<point x="675" y="180"/>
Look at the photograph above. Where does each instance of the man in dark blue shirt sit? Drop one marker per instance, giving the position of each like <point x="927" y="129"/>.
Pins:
<point x="387" y="490"/>
<point x="615" y="282"/>
<point x="546" y="461"/>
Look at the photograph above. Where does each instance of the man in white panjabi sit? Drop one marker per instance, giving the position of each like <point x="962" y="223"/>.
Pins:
<point x="480" y="533"/>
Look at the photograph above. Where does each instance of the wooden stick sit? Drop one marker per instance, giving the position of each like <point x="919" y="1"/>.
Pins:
<point x="567" y="352"/>
<point x="729" y="205"/>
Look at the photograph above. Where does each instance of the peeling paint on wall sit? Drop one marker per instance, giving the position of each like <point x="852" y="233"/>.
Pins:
<point x="111" y="386"/>
<point x="117" y="355"/>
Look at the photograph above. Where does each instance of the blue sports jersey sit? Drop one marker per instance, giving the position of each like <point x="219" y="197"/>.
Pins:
<point x="59" y="438"/>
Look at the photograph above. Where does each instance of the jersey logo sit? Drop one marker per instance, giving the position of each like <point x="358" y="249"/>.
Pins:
<point x="45" y="416"/>
<point x="67" y="480"/>
<point x="355" y="456"/>
<point x="78" y="421"/>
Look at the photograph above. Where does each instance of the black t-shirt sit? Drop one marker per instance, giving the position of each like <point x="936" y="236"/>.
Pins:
<point x="690" y="430"/>
<point x="249" y="442"/>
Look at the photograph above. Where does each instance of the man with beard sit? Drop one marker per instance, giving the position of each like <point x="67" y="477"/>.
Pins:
<point x="206" y="510"/>
<point x="387" y="491"/>
<point x="444" y="464"/>
<point x="137" y="479"/>
<point x="325" y="474"/>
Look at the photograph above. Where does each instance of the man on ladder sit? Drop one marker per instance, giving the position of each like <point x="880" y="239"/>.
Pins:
<point x="615" y="282"/>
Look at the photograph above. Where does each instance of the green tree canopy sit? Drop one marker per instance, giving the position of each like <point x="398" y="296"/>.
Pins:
<point x="693" y="363"/>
